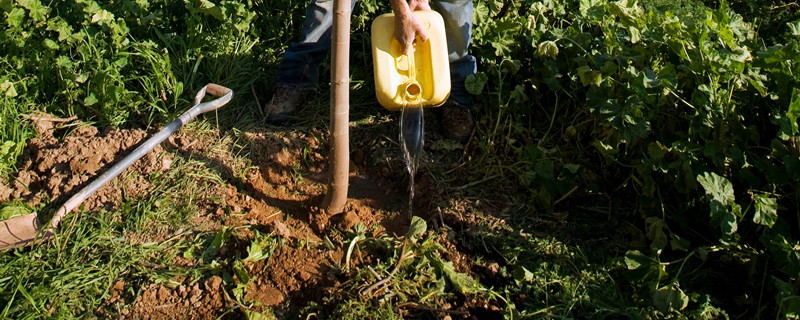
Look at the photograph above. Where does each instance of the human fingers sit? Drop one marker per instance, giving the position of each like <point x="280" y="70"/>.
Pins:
<point x="419" y="5"/>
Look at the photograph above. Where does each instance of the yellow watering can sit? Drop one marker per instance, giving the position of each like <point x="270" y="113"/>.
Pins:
<point x="420" y="79"/>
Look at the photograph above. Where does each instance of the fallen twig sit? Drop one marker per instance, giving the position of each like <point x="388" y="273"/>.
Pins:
<point x="41" y="117"/>
<point x="380" y="283"/>
<point x="377" y="276"/>
<point x="569" y="193"/>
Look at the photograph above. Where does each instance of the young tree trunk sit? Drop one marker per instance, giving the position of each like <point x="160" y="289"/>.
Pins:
<point x="336" y="197"/>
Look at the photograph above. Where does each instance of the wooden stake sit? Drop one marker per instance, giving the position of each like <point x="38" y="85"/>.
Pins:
<point x="336" y="198"/>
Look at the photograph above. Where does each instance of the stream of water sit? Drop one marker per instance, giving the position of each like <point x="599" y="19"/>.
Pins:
<point x="412" y="135"/>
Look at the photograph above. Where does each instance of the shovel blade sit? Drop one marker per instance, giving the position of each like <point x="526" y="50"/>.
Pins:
<point x="21" y="231"/>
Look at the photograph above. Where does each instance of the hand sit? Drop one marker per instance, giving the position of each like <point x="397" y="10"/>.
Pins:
<point x="406" y="25"/>
<point x="415" y="5"/>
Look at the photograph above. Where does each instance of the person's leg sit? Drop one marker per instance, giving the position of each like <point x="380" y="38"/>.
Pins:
<point x="457" y="16"/>
<point x="456" y="116"/>
<point x="299" y="68"/>
<point x="298" y="72"/>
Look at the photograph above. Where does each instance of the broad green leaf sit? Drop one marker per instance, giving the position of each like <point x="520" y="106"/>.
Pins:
<point x="241" y="272"/>
<point x="261" y="247"/>
<point x="656" y="234"/>
<point x="727" y="223"/>
<point x="547" y="49"/>
<point x="794" y="27"/>
<point x="669" y="298"/>
<point x="15" y="17"/>
<point x="626" y="14"/>
<point x="766" y="210"/>
<point x="216" y="244"/>
<point x="417" y="227"/>
<point x="62" y="27"/>
<point x="474" y="83"/>
<point x="102" y="16"/>
<point x="589" y="76"/>
<point x="50" y="44"/>
<point x="635" y="260"/>
<point x="90" y="100"/>
<point x="757" y="80"/>
<point x="635" y="34"/>
<point x="209" y="8"/>
<point x="6" y="5"/>
<point x="643" y="267"/>
<point x="718" y="187"/>
<point x="7" y="89"/>
<point x="788" y="301"/>
<point x="6" y="151"/>
<point x="650" y="78"/>
<point x="790" y="307"/>
<point x="521" y="275"/>
<point x="90" y="7"/>
<point x="255" y="315"/>
<point x="37" y="11"/>
<point x="461" y="281"/>
<point x="679" y="243"/>
<point x="656" y="150"/>
<point x="511" y="66"/>
<point x="794" y="110"/>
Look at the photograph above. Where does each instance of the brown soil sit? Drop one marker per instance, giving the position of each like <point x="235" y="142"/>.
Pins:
<point x="277" y="194"/>
<point x="51" y="170"/>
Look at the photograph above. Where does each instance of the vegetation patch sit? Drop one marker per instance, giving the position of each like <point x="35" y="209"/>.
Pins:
<point x="632" y="160"/>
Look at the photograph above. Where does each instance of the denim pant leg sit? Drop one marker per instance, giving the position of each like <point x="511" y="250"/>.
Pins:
<point x="299" y="68"/>
<point x="457" y="15"/>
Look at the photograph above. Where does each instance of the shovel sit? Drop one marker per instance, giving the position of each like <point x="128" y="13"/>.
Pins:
<point x="27" y="229"/>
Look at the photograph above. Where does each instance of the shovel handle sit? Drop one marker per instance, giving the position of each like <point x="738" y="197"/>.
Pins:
<point x="224" y="95"/>
<point x="217" y="90"/>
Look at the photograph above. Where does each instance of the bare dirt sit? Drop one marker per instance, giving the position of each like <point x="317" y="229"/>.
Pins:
<point x="278" y="193"/>
<point x="51" y="170"/>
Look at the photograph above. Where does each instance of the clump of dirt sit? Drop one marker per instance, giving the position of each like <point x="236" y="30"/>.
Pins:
<point x="289" y="275"/>
<point x="196" y="301"/>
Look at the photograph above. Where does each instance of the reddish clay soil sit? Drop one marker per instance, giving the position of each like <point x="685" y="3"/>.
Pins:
<point x="271" y="198"/>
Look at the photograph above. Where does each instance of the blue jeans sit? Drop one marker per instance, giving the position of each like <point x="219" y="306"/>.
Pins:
<point x="299" y="68"/>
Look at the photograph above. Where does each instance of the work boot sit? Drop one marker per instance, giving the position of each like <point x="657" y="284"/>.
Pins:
<point x="457" y="122"/>
<point x="284" y="103"/>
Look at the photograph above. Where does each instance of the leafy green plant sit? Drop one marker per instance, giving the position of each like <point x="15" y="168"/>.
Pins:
<point x="687" y="110"/>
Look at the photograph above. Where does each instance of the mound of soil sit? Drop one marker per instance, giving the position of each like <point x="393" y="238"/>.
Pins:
<point x="52" y="170"/>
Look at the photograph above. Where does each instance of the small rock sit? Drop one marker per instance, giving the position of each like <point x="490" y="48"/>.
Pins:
<point x="163" y="294"/>
<point x="493" y="268"/>
<point x="213" y="283"/>
<point x="281" y="229"/>
<point x="166" y="163"/>
<point x="349" y="219"/>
